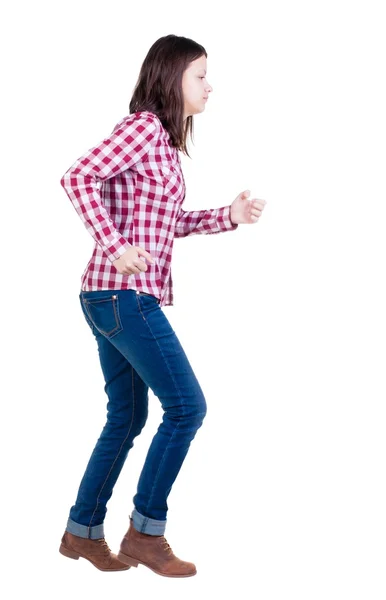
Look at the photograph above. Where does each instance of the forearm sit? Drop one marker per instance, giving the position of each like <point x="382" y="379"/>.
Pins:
<point x="85" y="197"/>
<point x="210" y="221"/>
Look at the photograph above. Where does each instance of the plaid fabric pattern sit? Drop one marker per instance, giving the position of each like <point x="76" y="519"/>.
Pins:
<point x="128" y="191"/>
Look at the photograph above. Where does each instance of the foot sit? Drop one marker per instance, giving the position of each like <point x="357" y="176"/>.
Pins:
<point x="154" y="552"/>
<point x="96" y="551"/>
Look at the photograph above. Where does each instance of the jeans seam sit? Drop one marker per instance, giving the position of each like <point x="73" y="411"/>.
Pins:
<point x="119" y="451"/>
<point x="160" y="465"/>
<point x="182" y="405"/>
<point x="88" y="319"/>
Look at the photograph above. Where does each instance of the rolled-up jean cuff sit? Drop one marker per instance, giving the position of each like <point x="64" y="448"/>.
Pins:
<point x="93" y="533"/>
<point x="147" y="525"/>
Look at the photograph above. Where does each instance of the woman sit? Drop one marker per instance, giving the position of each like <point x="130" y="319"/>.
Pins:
<point x="129" y="190"/>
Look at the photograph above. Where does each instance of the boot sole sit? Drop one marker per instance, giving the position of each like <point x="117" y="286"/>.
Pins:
<point x="75" y="555"/>
<point x="134" y="562"/>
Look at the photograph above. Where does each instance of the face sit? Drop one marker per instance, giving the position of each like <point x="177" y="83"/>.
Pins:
<point x="195" y="87"/>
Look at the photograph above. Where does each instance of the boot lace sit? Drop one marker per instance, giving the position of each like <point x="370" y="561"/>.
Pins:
<point x="166" y="545"/>
<point x="103" y="544"/>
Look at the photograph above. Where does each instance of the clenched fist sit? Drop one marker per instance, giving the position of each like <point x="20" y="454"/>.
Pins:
<point x="130" y="261"/>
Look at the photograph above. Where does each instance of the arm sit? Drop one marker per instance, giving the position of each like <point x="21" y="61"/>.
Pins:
<point x="128" y="144"/>
<point x="213" y="220"/>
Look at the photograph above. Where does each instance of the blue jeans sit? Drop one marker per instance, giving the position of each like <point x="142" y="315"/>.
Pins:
<point x="138" y="349"/>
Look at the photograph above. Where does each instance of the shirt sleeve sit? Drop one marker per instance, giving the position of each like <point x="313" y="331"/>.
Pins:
<point x="128" y="144"/>
<point x="213" y="220"/>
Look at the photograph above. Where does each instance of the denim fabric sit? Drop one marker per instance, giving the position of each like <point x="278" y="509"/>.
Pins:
<point x="138" y="349"/>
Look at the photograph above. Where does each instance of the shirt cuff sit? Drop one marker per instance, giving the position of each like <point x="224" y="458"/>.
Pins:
<point x="116" y="250"/>
<point x="224" y="219"/>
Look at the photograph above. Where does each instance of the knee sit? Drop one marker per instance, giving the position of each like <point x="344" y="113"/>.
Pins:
<point x="129" y="420"/>
<point x="140" y="422"/>
<point x="191" y="411"/>
<point x="201" y="409"/>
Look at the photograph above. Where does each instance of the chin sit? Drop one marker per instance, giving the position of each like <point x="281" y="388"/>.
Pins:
<point x="196" y="111"/>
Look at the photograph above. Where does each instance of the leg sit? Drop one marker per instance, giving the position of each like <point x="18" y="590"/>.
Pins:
<point x="140" y="331"/>
<point x="127" y="411"/>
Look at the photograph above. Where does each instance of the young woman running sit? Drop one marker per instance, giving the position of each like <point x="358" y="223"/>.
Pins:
<point x="128" y="191"/>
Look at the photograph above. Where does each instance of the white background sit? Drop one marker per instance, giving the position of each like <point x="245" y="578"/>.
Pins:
<point x="282" y="494"/>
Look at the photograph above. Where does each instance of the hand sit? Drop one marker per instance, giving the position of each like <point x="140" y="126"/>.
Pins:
<point x="129" y="262"/>
<point x="246" y="211"/>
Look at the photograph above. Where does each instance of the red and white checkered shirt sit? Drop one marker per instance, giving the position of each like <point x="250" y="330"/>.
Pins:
<point x="128" y="191"/>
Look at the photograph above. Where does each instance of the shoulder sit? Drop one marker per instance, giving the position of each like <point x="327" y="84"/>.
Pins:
<point x="144" y="126"/>
<point x="140" y="121"/>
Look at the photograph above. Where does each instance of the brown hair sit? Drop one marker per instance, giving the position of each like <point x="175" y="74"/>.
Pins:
<point x="159" y="85"/>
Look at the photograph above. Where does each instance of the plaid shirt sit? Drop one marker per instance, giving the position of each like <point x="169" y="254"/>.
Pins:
<point x="128" y="191"/>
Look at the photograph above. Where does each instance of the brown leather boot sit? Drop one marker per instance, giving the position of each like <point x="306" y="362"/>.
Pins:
<point x="96" y="551"/>
<point x="154" y="552"/>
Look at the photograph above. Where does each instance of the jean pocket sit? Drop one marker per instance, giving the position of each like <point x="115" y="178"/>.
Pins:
<point x="103" y="313"/>
<point x="147" y="302"/>
<point x="149" y="296"/>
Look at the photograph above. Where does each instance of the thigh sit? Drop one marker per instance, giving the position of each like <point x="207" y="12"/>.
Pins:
<point x="163" y="362"/>
<point x="123" y="386"/>
<point x="138" y="328"/>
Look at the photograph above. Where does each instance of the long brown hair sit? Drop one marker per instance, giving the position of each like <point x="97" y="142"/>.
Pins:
<point x="159" y="85"/>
